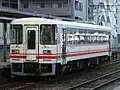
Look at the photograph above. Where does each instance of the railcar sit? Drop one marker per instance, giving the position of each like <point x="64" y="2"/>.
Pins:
<point x="46" y="47"/>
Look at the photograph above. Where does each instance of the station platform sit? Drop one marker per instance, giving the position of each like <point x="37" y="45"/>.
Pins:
<point x="4" y="65"/>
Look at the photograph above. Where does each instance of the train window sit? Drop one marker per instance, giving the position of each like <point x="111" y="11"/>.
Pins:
<point x="98" y="37"/>
<point x="82" y="36"/>
<point x="75" y="36"/>
<point x="31" y="39"/>
<point x="48" y="34"/>
<point x="70" y="36"/>
<point x="16" y="34"/>
<point x="87" y="37"/>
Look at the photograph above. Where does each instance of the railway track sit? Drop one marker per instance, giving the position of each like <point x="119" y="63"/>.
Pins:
<point x="97" y="82"/>
<point x="16" y="85"/>
<point x="25" y="85"/>
<point x="10" y="85"/>
<point x="22" y="86"/>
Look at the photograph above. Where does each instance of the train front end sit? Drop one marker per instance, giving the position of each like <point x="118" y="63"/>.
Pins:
<point x="33" y="50"/>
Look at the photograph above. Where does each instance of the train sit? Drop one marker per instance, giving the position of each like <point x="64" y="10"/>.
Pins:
<point x="45" y="47"/>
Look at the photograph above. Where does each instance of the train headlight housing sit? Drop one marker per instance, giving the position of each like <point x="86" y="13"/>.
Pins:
<point x="15" y="51"/>
<point x="47" y="52"/>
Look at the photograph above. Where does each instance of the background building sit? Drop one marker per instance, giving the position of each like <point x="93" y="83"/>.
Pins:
<point x="105" y="14"/>
<point x="90" y="10"/>
<point x="118" y="21"/>
<point x="74" y="9"/>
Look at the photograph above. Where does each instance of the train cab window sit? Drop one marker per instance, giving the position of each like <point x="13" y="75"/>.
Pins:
<point x="16" y="34"/>
<point x="31" y="39"/>
<point x="48" y="34"/>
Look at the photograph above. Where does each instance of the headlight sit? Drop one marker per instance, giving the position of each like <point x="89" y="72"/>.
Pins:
<point x="47" y="52"/>
<point x="15" y="51"/>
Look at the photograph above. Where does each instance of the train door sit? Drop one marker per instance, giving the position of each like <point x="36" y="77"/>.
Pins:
<point x="31" y="49"/>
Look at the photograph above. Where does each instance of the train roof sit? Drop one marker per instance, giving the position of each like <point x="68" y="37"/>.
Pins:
<point x="67" y="23"/>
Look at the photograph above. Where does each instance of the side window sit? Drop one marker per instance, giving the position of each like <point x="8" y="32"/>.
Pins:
<point x="75" y="36"/>
<point x="98" y="37"/>
<point x="76" y="39"/>
<point x="87" y="37"/>
<point x="81" y="36"/>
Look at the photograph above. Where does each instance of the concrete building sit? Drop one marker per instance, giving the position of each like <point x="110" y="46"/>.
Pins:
<point x="74" y="9"/>
<point x="118" y="21"/>
<point x="90" y="10"/>
<point x="105" y="13"/>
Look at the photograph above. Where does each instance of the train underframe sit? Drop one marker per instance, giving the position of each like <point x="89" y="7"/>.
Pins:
<point x="37" y="69"/>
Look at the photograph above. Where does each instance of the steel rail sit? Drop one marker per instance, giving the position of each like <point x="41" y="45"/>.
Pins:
<point x="24" y="85"/>
<point x="96" y="79"/>
<point x="11" y="84"/>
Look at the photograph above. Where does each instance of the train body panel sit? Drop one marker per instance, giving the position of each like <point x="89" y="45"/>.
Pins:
<point x="45" y="45"/>
<point x="88" y="51"/>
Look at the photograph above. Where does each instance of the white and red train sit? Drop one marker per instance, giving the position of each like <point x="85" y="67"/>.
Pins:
<point x="45" y="47"/>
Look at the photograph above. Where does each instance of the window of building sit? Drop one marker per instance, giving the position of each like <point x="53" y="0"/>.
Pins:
<point x="113" y="36"/>
<point x="76" y="5"/>
<point x="48" y="5"/>
<point x="108" y="19"/>
<point x="14" y="4"/>
<point x="42" y="5"/>
<point x="102" y="5"/>
<point x="65" y="1"/>
<point x="5" y="3"/>
<point x="59" y="5"/>
<point x="26" y="5"/>
<point x="108" y="7"/>
<point x="80" y="6"/>
<point x="116" y="21"/>
<point x="89" y="10"/>
<point x="101" y="23"/>
<point x="10" y="3"/>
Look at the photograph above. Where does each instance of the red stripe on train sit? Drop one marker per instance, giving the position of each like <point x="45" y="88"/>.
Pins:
<point x="56" y="56"/>
<point x="86" y="53"/>
<point x="20" y="57"/>
<point x="47" y="57"/>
